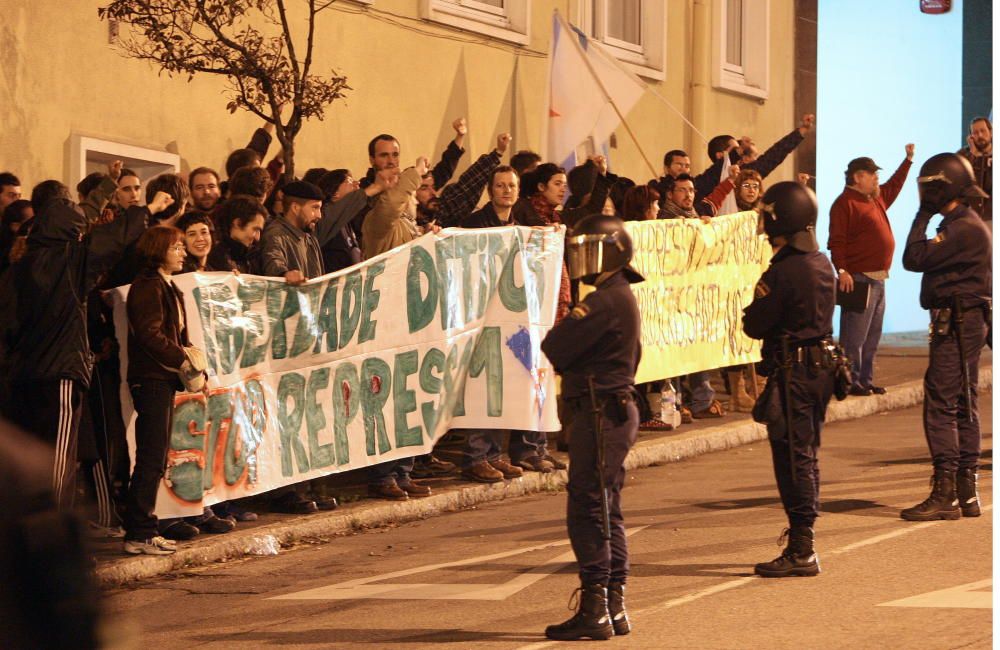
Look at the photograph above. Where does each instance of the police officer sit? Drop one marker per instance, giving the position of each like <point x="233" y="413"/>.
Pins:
<point x="596" y="349"/>
<point x="792" y="312"/>
<point x="956" y="288"/>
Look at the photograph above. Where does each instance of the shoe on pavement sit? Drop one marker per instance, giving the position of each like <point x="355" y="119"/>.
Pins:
<point x="556" y="463"/>
<point x="414" y="489"/>
<point x="215" y="525"/>
<point x="388" y="491"/>
<point x="293" y="504"/>
<point x="179" y="530"/>
<point x="877" y="390"/>
<point x="591" y="620"/>
<point x="535" y="464"/>
<point x="483" y="472"/>
<point x="156" y="545"/>
<point x="655" y="424"/>
<point x="505" y="468"/>
<point x="324" y="502"/>
<point x="232" y="510"/>
<point x="968" y="492"/>
<point x="942" y="503"/>
<point x="857" y="391"/>
<point x="686" y="416"/>
<point x="798" y="559"/>
<point x="616" y="609"/>
<point x="714" y="410"/>
<point x="98" y="531"/>
<point x="431" y="467"/>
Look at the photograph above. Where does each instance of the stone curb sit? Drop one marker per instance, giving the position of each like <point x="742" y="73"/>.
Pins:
<point x="267" y="539"/>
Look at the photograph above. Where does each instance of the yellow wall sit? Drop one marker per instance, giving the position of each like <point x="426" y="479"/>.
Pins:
<point x="409" y="78"/>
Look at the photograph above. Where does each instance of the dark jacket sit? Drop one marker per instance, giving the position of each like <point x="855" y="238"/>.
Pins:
<point x="766" y="163"/>
<point x="229" y="255"/>
<point x="337" y="230"/>
<point x="157" y="331"/>
<point x="794" y="298"/>
<point x="600" y="339"/>
<point x="982" y="169"/>
<point x="524" y="214"/>
<point x="485" y="217"/>
<point x="457" y="200"/>
<point x="284" y="248"/>
<point x="958" y="261"/>
<point x="51" y="283"/>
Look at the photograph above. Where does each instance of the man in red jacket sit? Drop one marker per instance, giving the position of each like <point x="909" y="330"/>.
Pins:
<point x="861" y="246"/>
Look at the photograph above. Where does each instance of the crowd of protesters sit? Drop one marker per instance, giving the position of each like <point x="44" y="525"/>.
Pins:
<point x="62" y="254"/>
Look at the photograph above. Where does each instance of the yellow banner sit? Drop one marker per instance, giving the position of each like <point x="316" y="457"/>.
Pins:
<point x="699" y="277"/>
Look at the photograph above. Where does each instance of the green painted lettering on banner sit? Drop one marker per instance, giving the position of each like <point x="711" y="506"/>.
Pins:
<point x="319" y="455"/>
<point x="512" y="296"/>
<point x="346" y="396"/>
<point x="307" y="328"/>
<point x="420" y="308"/>
<point x="493" y="245"/>
<point x="250" y="292"/>
<point x="404" y="400"/>
<point x="431" y="384"/>
<point x="487" y="356"/>
<point x="376" y="382"/>
<point x="366" y="332"/>
<point x="186" y="478"/>
<point x="217" y="307"/>
<point x="279" y="334"/>
<point x="327" y="321"/>
<point x="350" y="307"/>
<point x="292" y="387"/>
<point x="467" y="250"/>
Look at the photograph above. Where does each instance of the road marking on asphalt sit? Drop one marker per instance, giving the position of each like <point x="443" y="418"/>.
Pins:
<point x="732" y="584"/>
<point x="365" y="587"/>
<point x="973" y="595"/>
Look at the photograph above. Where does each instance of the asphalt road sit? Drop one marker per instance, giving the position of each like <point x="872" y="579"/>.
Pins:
<point x="495" y="576"/>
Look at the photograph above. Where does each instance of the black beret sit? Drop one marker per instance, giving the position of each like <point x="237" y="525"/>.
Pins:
<point x="303" y="190"/>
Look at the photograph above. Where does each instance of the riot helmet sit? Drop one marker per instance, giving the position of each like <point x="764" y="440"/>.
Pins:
<point x="599" y="244"/>
<point x="946" y="177"/>
<point x="789" y="209"/>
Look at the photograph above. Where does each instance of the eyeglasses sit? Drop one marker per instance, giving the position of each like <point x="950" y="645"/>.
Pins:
<point x="750" y="186"/>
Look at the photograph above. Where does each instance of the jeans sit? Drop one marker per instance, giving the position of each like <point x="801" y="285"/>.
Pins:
<point x="481" y="445"/>
<point x="393" y="471"/>
<point x="702" y="392"/>
<point x="860" y="331"/>
<point x="154" y="407"/>
<point x="526" y="444"/>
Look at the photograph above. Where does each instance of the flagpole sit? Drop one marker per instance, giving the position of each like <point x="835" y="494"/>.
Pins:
<point x="571" y="33"/>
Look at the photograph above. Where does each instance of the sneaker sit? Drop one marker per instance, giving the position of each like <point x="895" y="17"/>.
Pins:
<point x="484" y="472"/>
<point x="232" y="510"/>
<point x="655" y="424"/>
<point x="555" y="462"/>
<point x="178" y="529"/>
<point x="154" y="546"/>
<point x="389" y="491"/>
<point x="324" y="502"/>
<point x="877" y="390"/>
<point x="857" y="391"/>
<point x="505" y="468"/>
<point x="535" y="464"/>
<point x="414" y="489"/>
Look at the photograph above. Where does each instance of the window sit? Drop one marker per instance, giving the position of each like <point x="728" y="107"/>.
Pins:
<point x="740" y="46"/>
<point x="93" y="155"/>
<point x="634" y="31"/>
<point x="506" y="20"/>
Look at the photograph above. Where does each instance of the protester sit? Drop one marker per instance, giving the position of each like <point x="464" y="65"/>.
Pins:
<point x="197" y="229"/>
<point x="392" y="220"/>
<point x="642" y="203"/>
<point x="447" y="208"/>
<point x="10" y="189"/>
<point x="50" y="360"/>
<point x="203" y="183"/>
<point x="14" y="215"/>
<point x="241" y="219"/>
<point x="250" y="181"/>
<point x="157" y="342"/>
<point x="861" y="246"/>
<point x="979" y="153"/>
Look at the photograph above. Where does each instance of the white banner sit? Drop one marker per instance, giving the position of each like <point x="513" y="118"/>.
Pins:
<point x="370" y="364"/>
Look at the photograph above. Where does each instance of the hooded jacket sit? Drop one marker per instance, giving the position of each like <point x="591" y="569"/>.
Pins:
<point x="47" y="335"/>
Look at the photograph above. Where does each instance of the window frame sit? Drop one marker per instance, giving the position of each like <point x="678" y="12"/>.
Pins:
<point x="512" y="23"/>
<point x="649" y="59"/>
<point x="89" y="153"/>
<point x="753" y="77"/>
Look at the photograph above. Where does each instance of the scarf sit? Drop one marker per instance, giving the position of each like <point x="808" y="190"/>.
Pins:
<point x="549" y="215"/>
<point x="674" y="211"/>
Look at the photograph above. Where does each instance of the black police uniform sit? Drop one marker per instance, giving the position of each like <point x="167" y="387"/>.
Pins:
<point x="795" y="298"/>
<point x="599" y="339"/>
<point x="957" y="265"/>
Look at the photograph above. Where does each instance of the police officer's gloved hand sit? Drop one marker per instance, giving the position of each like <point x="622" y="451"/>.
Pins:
<point x="931" y="199"/>
<point x="929" y="207"/>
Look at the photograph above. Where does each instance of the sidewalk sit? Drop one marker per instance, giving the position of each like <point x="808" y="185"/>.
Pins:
<point x="900" y="369"/>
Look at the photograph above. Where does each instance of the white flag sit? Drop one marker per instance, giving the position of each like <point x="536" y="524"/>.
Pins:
<point x="584" y="82"/>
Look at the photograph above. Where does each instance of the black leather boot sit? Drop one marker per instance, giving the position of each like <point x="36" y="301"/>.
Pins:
<point x="798" y="559"/>
<point x="967" y="492"/>
<point x="616" y="609"/>
<point x="591" y="619"/>
<point x="942" y="502"/>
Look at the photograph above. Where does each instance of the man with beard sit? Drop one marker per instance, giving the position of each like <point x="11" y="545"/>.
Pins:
<point x="204" y="185"/>
<point x="452" y="204"/>
<point x="979" y="153"/>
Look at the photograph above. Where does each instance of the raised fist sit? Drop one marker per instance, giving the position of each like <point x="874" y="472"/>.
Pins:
<point x="460" y="126"/>
<point x="503" y="141"/>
